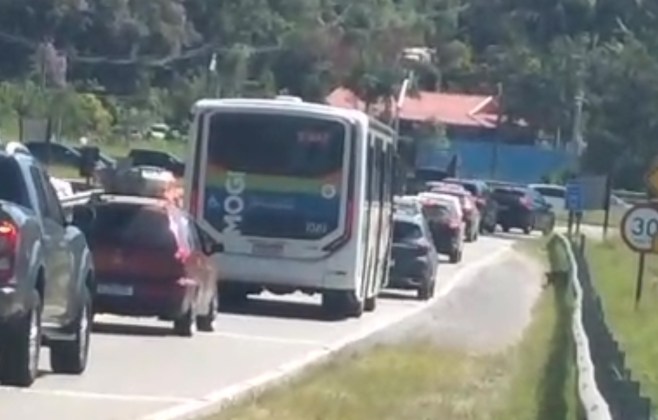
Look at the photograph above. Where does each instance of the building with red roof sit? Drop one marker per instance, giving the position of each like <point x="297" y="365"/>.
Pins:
<point x="464" y="115"/>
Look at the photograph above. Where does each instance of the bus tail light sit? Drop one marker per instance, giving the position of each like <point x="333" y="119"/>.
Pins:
<point x="8" y="249"/>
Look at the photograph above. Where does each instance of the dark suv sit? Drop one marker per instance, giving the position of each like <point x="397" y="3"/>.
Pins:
<point x="414" y="260"/>
<point x="46" y="276"/>
<point x="523" y="208"/>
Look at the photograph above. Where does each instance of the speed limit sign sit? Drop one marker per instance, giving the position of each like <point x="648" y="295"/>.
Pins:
<point x="639" y="227"/>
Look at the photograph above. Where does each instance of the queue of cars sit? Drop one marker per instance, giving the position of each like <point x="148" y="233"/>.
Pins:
<point x="450" y="213"/>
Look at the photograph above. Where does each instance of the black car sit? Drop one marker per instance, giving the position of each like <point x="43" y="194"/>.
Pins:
<point x="523" y="208"/>
<point x="414" y="261"/>
<point x="159" y="159"/>
<point x="55" y="154"/>
<point x="46" y="276"/>
<point x="487" y="206"/>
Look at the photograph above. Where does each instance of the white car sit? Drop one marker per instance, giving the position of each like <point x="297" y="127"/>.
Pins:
<point x="555" y="196"/>
<point x="408" y="204"/>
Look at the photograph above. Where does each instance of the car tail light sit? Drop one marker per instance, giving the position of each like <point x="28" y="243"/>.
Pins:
<point x="8" y="248"/>
<point x="525" y="202"/>
<point x="480" y="202"/>
<point x="454" y="223"/>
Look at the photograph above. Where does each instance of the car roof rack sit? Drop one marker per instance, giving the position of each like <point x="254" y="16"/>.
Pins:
<point x="105" y="197"/>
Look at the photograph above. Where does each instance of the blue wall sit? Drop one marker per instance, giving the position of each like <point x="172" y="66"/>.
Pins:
<point x="515" y="163"/>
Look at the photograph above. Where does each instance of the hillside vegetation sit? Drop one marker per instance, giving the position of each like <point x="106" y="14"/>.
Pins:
<point x="113" y="66"/>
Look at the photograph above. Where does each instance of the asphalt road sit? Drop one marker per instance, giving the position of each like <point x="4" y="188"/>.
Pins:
<point x="137" y="369"/>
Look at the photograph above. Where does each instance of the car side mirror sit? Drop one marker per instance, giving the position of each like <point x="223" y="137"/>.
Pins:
<point x="82" y="217"/>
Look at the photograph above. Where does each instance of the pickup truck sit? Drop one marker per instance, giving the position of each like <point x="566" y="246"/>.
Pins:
<point x="46" y="276"/>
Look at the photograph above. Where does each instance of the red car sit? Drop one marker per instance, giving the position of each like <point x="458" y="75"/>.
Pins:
<point x="472" y="216"/>
<point x="151" y="259"/>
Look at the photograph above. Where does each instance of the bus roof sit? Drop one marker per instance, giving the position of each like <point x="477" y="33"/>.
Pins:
<point x="288" y="105"/>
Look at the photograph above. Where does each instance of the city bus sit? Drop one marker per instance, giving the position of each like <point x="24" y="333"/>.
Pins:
<point x="299" y="195"/>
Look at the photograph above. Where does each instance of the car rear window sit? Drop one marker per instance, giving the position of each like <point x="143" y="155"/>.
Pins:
<point x="468" y="186"/>
<point x="404" y="231"/>
<point x="12" y="187"/>
<point x="439" y="211"/>
<point x="134" y="226"/>
<point x="509" y="192"/>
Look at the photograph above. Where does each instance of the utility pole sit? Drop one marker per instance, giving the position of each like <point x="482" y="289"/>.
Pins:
<point x="499" y="123"/>
<point x="211" y="75"/>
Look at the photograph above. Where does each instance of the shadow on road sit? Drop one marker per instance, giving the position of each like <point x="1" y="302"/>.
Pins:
<point x="553" y="396"/>
<point x="280" y="309"/>
<point x="128" y="329"/>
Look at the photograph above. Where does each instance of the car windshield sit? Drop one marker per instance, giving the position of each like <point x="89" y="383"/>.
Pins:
<point x="134" y="226"/>
<point x="12" y="187"/>
<point x="406" y="231"/>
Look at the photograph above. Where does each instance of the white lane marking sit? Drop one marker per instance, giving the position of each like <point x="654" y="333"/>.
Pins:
<point x="102" y="396"/>
<point x="270" y="339"/>
<point x="214" y="400"/>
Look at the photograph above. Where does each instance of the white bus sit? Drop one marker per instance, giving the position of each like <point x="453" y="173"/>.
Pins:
<point x="299" y="194"/>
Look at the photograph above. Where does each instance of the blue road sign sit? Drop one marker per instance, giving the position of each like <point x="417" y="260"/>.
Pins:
<point x="574" y="197"/>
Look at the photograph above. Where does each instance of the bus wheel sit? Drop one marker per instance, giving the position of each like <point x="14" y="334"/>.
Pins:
<point x="342" y="303"/>
<point x="370" y="304"/>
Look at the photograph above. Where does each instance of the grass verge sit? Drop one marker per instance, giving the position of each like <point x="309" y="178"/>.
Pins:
<point x="418" y="380"/>
<point x="594" y="217"/>
<point x="614" y="270"/>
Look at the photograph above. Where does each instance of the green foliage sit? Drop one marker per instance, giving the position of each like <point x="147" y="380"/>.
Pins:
<point x="147" y="61"/>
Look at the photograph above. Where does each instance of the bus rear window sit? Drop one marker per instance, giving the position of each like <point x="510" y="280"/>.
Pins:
<point x="278" y="144"/>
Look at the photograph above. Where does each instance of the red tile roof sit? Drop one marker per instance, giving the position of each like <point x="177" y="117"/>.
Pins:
<point x="447" y="108"/>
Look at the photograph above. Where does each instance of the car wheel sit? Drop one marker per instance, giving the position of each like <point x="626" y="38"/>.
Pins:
<point x="342" y="304"/>
<point x="70" y="357"/>
<point x="21" y="348"/>
<point x="205" y="322"/>
<point x="454" y="257"/>
<point x="426" y="289"/>
<point x="505" y="228"/>
<point x="527" y="230"/>
<point x="184" y="325"/>
<point x="370" y="304"/>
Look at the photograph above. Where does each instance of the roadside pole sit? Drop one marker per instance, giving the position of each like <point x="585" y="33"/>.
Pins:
<point x="639" y="230"/>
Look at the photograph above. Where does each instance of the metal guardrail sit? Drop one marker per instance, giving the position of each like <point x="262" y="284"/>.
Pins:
<point x="631" y="197"/>
<point x="606" y="389"/>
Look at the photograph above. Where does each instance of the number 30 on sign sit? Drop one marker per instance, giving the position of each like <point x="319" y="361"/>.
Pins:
<point x="639" y="228"/>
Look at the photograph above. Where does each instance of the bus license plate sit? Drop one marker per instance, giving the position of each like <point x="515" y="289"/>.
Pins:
<point x="114" y="290"/>
<point x="267" y="250"/>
